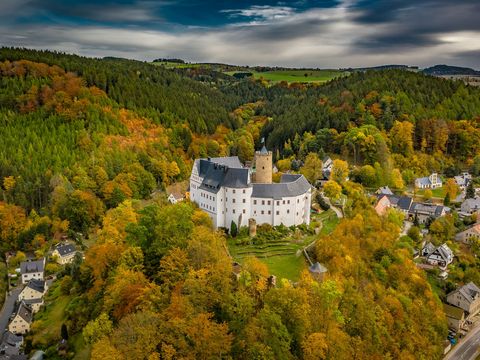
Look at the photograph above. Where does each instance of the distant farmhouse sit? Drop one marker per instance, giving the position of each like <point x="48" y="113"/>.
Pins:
<point x="32" y="270"/>
<point x="175" y="197"/>
<point x="64" y="253"/>
<point x="470" y="206"/>
<point x="430" y="182"/>
<point x="231" y="193"/>
<point x="32" y="294"/>
<point x="463" y="180"/>
<point x="411" y="209"/>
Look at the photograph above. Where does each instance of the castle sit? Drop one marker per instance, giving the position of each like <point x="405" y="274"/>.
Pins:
<point x="230" y="192"/>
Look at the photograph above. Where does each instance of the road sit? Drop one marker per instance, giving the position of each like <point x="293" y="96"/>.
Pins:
<point x="467" y="348"/>
<point x="8" y="308"/>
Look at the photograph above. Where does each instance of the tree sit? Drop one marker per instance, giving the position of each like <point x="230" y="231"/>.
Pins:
<point x="98" y="328"/>
<point x="233" y="229"/>
<point x="446" y="200"/>
<point x="401" y="136"/>
<point x="470" y="192"/>
<point x="451" y="188"/>
<point x="397" y="179"/>
<point x="414" y="233"/>
<point x="64" y="332"/>
<point x="332" y="190"/>
<point x="428" y="194"/>
<point x="339" y="171"/>
<point x="312" y="169"/>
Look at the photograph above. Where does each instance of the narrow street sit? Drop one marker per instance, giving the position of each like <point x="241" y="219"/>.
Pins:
<point x="467" y="348"/>
<point x="8" y="308"/>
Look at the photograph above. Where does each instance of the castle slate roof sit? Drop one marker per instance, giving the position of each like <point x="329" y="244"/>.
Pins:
<point x="290" y="185"/>
<point x="27" y="267"/>
<point x="65" y="249"/>
<point x="217" y="175"/>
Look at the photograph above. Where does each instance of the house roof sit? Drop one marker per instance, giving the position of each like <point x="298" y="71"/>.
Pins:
<point x="24" y="312"/>
<point x="402" y="202"/>
<point x="65" y="249"/>
<point x="429" y="209"/>
<point x="264" y="150"/>
<point x="33" y="301"/>
<point x="429" y="248"/>
<point x="290" y="185"/>
<point x="27" y="267"/>
<point x="470" y="291"/>
<point x="384" y="190"/>
<point x="12" y="339"/>
<point x="228" y="161"/>
<point x="445" y="252"/>
<point x="423" y="181"/>
<point x="472" y="204"/>
<point x="463" y="180"/>
<point x="453" y="312"/>
<point x="38" y="285"/>
<point x="317" y="268"/>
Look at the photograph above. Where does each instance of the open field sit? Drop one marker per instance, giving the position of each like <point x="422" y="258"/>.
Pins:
<point x="283" y="254"/>
<point x="306" y="75"/>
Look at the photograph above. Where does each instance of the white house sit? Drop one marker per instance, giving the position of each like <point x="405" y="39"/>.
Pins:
<point x="430" y="182"/>
<point x="175" y="197"/>
<point x="441" y="255"/>
<point x="64" y="253"/>
<point x="229" y="192"/>
<point x="32" y="270"/>
<point x="32" y="294"/>
<point x="21" y="321"/>
<point x="327" y="166"/>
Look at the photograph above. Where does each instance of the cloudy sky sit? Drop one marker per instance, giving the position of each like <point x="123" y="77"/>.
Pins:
<point x="317" y="33"/>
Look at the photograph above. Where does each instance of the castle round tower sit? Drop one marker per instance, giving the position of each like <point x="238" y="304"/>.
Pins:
<point x="263" y="166"/>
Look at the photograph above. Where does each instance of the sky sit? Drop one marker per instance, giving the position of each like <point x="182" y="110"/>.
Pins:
<point x="303" y="33"/>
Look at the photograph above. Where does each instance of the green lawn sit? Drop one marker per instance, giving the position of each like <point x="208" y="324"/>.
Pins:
<point x="286" y="266"/>
<point x="283" y="255"/>
<point x="318" y="76"/>
<point x="437" y="193"/>
<point x="48" y="322"/>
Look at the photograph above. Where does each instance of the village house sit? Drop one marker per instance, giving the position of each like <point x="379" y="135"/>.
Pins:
<point x="32" y="270"/>
<point x="467" y="298"/>
<point x="465" y="235"/>
<point x="22" y="320"/>
<point x="32" y="294"/>
<point x="64" y="253"/>
<point x="463" y="180"/>
<point x="470" y="206"/>
<point x="10" y="345"/>
<point x="455" y="317"/>
<point x="233" y="194"/>
<point x="327" y="166"/>
<point x="384" y="190"/>
<point x="430" y="182"/>
<point x="385" y="201"/>
<point x="175" y="197"/>
<point x="440" y="256"/>
<point x="424" y="211"/>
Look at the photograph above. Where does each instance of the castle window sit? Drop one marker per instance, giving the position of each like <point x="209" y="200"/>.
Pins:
<point x="278" y="202"/>
<point x="244" y="201"/>
<point x="298" y="200"/>
<point x="233" y="211"/>
<point x="288" y="211"/>
<point x="283" y="202"/>
<point x="244" y="211"/>
<point x="244" y="191"/>
<point x="254" y="202"/>
<point x="233" y="201"/>
<point x="263" y="202"/>
<point x="288" y="201"/>
<point x="263" y="167"/>
<point x="234" y="191"/>
<point x="263" y="212"/>
<point x="268" y="202"/>
<point x="269" y="212"/>
<point x="278" y="212"/>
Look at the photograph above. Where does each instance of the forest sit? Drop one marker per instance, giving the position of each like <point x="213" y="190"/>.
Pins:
<point x="89" y="144"/>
